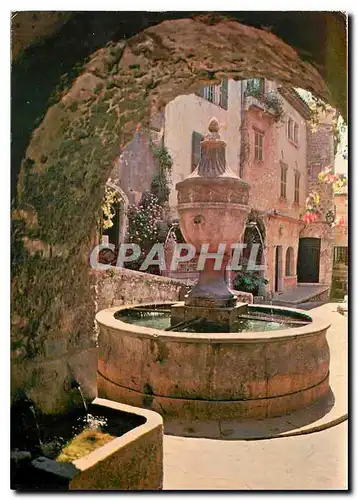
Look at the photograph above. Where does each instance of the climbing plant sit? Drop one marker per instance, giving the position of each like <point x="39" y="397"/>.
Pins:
<point x="160" y="181"/>
<point x="111" y="198"/>
<point x="270" y="100"/>
<point x="338" y="181"/>
<point x="145" y="222"/>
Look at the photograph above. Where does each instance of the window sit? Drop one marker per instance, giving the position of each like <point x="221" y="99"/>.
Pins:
<point x="314" y="171"/>
<point x="217" y="94"/>
<point x="259" y="139"/>
<point x="292" y="130"/>
<point x="224" y="94"/>
<point x="341" y="255"/>
<point x="209" y="93"/>
<point x="241" y="171"/>
<point x="295" y="133"/>
<point x="256" y="85"/>
<point x="289" y="262"/>
<point x="296" y="197"/>
<point x="283" y="190"/>
<point x="196" y="139"/>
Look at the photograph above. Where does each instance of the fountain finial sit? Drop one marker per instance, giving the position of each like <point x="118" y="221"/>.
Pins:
<point x="214" y="125"/>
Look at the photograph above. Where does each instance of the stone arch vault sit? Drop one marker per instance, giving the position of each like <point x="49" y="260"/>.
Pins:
<point x="69" y="157"/>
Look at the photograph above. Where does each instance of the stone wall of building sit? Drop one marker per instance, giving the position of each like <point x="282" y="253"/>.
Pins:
<point x="264" y="176"/>
<point x="320" y="155"/>
<point x="284" y="232"/>
<point x="341" y="231"/>
<point x="133" y="170"/>
<point x="192" y="113"/>
<point x="340" y="269"/>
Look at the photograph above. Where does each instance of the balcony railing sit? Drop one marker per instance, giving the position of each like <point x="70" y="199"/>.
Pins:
<point x="268" y="102"/>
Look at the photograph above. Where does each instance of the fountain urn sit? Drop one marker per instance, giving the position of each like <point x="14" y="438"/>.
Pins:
<point x="212" y="208"/>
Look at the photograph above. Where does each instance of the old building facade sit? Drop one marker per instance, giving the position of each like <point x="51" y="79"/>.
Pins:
<point x="341" y="254"/>
<point x="271" y="145"/>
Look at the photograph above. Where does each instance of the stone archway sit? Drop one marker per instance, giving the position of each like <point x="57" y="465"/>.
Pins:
<point x="68" y="161"/>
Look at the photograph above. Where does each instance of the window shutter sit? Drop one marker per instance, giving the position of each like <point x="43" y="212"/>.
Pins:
<point x="195" y="149"/>
<point x="224" y="88"/>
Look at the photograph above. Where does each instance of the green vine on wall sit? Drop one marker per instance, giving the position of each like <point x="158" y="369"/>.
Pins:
<point x="160" y="181"/>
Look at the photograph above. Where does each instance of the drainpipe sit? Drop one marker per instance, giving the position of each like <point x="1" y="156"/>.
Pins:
<point x="242" y="113"/>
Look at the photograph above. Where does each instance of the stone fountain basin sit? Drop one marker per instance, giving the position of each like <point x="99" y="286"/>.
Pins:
<point x="214" y="375"/>
<point x="132" y="461"/>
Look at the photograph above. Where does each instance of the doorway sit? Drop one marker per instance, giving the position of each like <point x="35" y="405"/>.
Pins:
<point x="114" y="231"/>
<point x="308" y="260"/>
<point x="278" y="268"/>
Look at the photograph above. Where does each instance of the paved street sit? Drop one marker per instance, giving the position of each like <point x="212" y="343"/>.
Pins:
<point x="313" y="461"/>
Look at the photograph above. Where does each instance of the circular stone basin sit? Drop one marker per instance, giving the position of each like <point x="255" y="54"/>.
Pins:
<point x="262" y="369"/>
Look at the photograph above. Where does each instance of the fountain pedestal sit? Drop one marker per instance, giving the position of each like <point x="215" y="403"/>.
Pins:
<point x="212" y="208"/>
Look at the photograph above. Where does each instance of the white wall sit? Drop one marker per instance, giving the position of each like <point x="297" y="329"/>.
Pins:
<point x="189" y="113"/>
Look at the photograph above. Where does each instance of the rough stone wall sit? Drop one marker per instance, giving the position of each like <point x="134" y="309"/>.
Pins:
<point x="326" y="47"/>
<point x="341" y="232"/>
<point x="69" y="159"/>
<point x="123" y="286"/>
<point x="320" y="151"/>
<point x="32" y="27"/>
<point x="134" y="168"/>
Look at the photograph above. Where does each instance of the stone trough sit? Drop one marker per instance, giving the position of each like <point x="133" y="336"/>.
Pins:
<point x="131" y="461"/>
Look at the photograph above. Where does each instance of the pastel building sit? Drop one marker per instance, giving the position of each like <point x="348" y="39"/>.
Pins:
<point x="272" y="146"/>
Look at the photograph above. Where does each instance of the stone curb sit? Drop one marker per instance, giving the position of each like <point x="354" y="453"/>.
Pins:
<point x="301" y="432"/>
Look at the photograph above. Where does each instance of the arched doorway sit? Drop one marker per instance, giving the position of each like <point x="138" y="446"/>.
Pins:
<point x="308" y="261"/>
<point x="116" y="233"/>
<point x="247" y="279"/>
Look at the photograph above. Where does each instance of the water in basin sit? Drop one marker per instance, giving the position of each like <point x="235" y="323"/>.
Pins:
<point x="259" y="320"/>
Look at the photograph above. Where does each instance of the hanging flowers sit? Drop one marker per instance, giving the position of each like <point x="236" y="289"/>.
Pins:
<point x="312" y="212"/>
<point x="111" y="198"/>
<point x="338" y="181"/>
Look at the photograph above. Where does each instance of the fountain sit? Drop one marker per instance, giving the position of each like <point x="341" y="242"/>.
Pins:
<point x="211" y="356"/>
